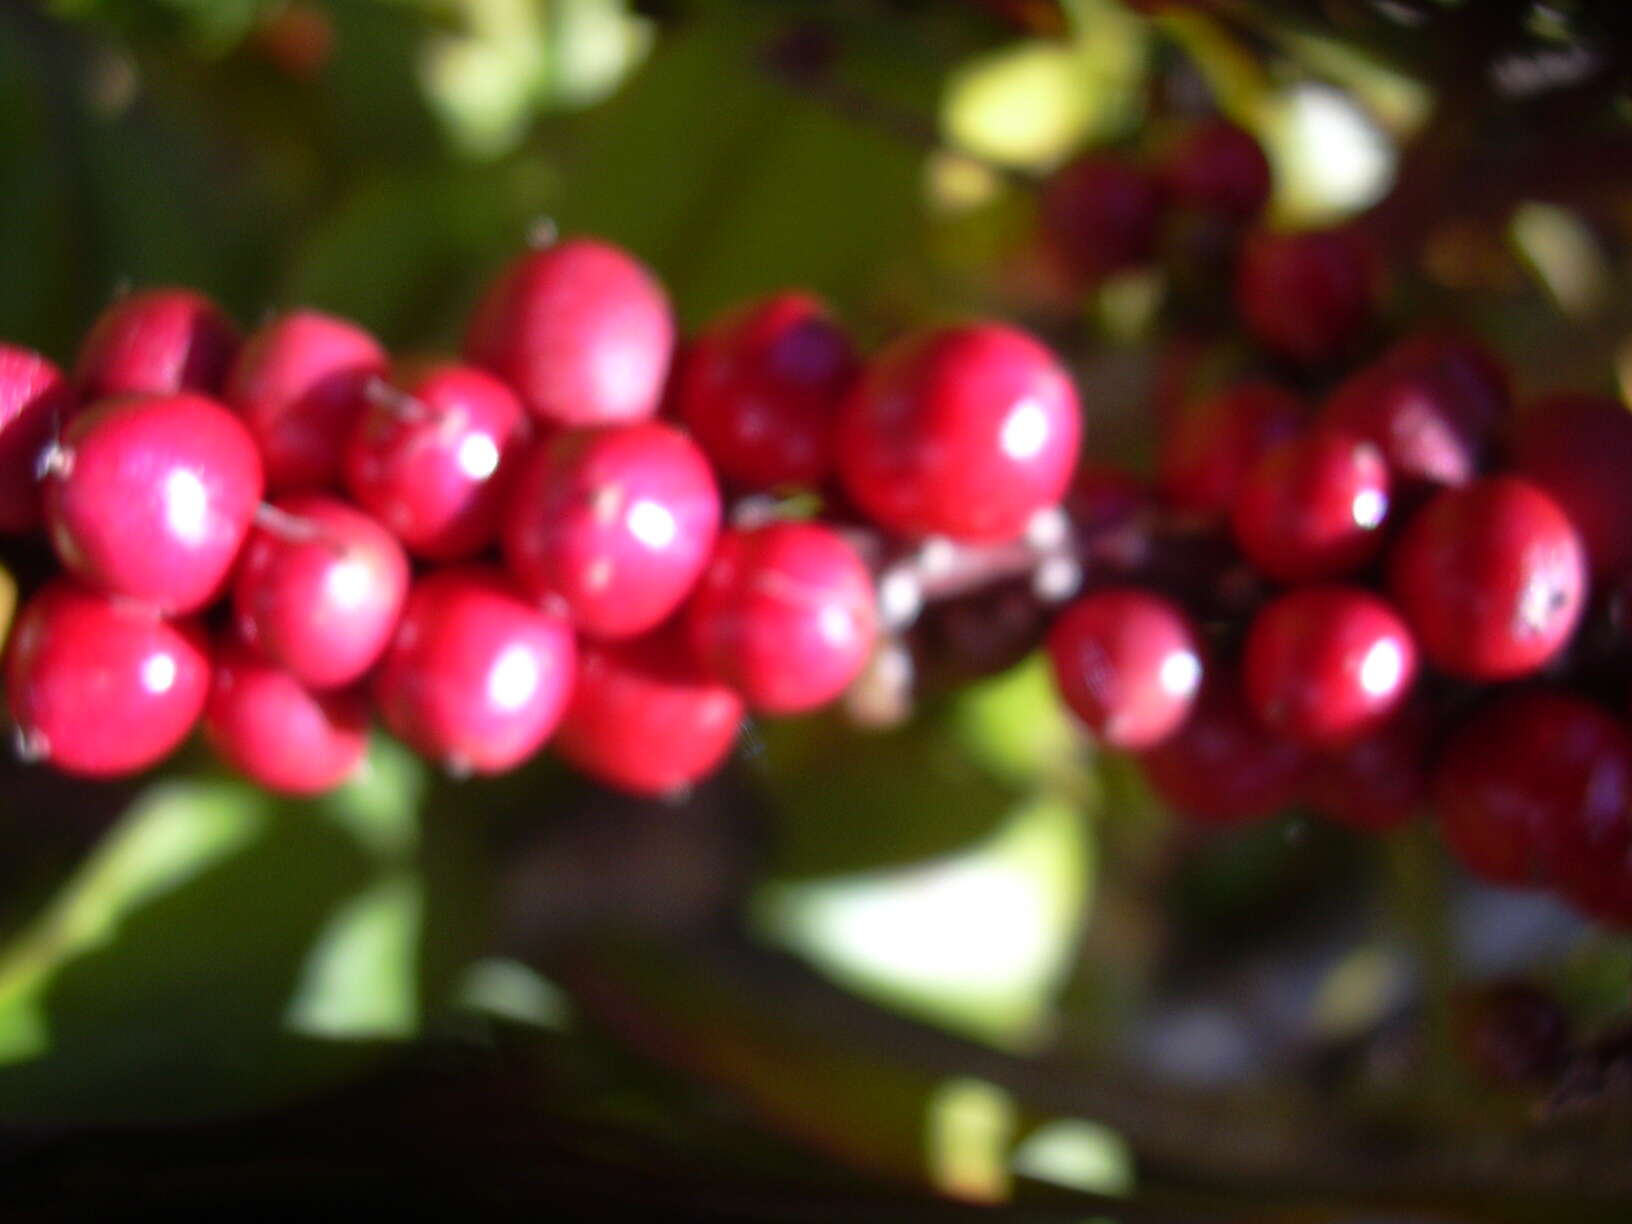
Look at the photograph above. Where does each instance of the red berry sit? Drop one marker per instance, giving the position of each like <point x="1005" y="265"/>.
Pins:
<point x="1308" y="297"/>
<point x="475" y="678"/>
<point x="759" y="388"/>
<point x="1325" y="665"/>
<point x="156" y="342"/>
<point x="300" y="384"/>
<point x="580" y="330"/>
<point x="962" y="431"/>
<point x="150" y="497"/>
<point x="1578" y="448"/>
<point x="1431" y="421"/>
<point x="279" y="734"/>
<point x="34" y="401"/>
<point x="785" y="615"/>
<point x="1102" y="214"/>
<point x="100" y="687"/>
<point x="1491" y="577"/>
<point x="1377" y="782"/>
<point x="645" y="718"/>
<point x="1219" y="168"/>
<point x="1313" y="507"/>
<point x="434" y="461"/>
<point x="613" y="524"/>
<point x="320" y="589"/>
<point x="1210" y="444"/>
<point x="1128" y="664"/>
<point x="1474" y="380"/>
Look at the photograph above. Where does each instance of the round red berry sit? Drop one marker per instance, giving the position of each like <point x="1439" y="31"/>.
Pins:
<point x="612" y="525"/>
<point x="300" y="383"/>
<point x="759" y="388"/>
<point x="156" y="342"/>
<point x="1102" y="214"/>
<point x="784" y="614"/>
<point x="1473" y="381"/>
<point x="1207" y="447"/>
<point x="1325" y="665"/>
<point x="1312" y="508"/>
<point x="1579" y="449"/>
<point x="320" y="589"/>
<point x="962" y="431"/>
<point x="1128" y="663"/>
<point x="276" y="732"/>
<point x="34" y="401"/>
<point x="580" y="330"/>
<point x="1309" y="297"/>
<point x="150" y="497"/>
<point x="1428" y="429"/>
<point x="1217" y="167"/>
<point x="475" y="677"/>
<point x="1491" y="578"/>
<point x="100" y="687"/>
<point x="1379" y="781"/>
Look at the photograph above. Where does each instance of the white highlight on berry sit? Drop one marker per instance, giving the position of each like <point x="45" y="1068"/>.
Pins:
<point x="1056" y="579"/>
<point x="1048" y="529"/>
<point x="1025" y="432"/>
<point x="1381" y="669"/>
<point x="835" y="624"/>
<point x="159" y="674"/>
<point x="348" y="583"/>
<point x="186" y="505"/>
<point x="1180" y="673"/>
<point x="513" y="678"/>
<point x="1368" y="508"/>
<point x="652" y="524"/>
<point x="900" y="598"/>
<point x="478" y="456"/>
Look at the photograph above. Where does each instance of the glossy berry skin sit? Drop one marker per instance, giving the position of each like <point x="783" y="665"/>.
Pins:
<point x="962" y="431"/>
<point x="101" y="687"/>
<point x="1128" y="663"/>
<point x="612" y="526"/>
<point x="475" y="677"/>
<point x="320" y="589"/>
<point x="300" y="385"/>
<point x="645" y="718"/>
<point x="1324" y="665"/>
<point x="435" y="467"/>
<point x="156" y="342"/>
<point x="152" y="496"/>
<point x="1313" y="507"/>
<point x="1308" y="297"/>
<point x="34" y="400"/>
<point x="759" y="389"/>
<point x="1216" y="167"/>
<point x="1102" y="214"/>
<point x="581" y="331"/>
<point x="1491" y="577"/>
<point x="1379" y="781"/>
<point x="785" y="615"/>
<point x="276" y="732"/>
<point x="1579" y="449"/>
<point x="1210" y="444"/>
<point x="1476" y="384"/>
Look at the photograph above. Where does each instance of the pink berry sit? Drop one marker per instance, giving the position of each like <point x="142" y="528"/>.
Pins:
<point x="962" y="431"/>
<point x="1326" y="665"/>
<point x="1128" y="663"/>
<point x="300" y="383"/>
<point x="156" y="342"/>
<point x="475" y="678"/>
<point x="277" y="733"/>
<point x="434" y="461"/>
<point x="580" y="330"/>
<point x="100" y="687"/>
<point x="1309" y="297"/>
<point x="645" y="718"/>
<point x="1218" y="168"/>
<point x="613" y="525"/>
<point x="320" y="589"/>
<point x="150" y="497"/>
<point x="1102" y="214"/>
<point x="34" y="401"/>
<point x="1209" y="445"/>
<point x="1491" y="577"/>
<point x="1379" y="781"/>
<point x="1313" y="507"/>
<point x="1578" y="448"/>
<point x="785" y="615"/>
<point x="759" y="388"/>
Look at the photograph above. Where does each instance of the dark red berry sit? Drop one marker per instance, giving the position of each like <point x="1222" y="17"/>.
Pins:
<point x="1209" y="445"/>
<point x="1111" y="515"/>
<point x="784" y="614"/>
<point x="101" y="687"/>
<point x="1325" y="665"/>
<point x="1102" y="214"/>
<point x="1216" y="167"/>
<point x="300" y="383"/>
<point x="1430" y="428"/>
<point x="1579" y="449"/>
<point x="1309" y="297"/>
<point x="962" y="431"/>
<point x="1379" y="781"/>
<point x="759" y="388"/>
<point x="580" y="330"/>
<point x="645" y="718"/>
<point x="276" y="732"/>
<point x="1313" y="507"/>
<point x="475" y="677"/>
<point x="156" y="342"/>
<point x="434" y="461"/>
<point x="1491" y="577"/>
<point x="34" y="401"/>
<point x="150" y="497"/>
<point x="1128" y="664"/>
<point x="1475" y="382"/>
<point x="612" y="525"/>
<point x="320" y="589"/>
